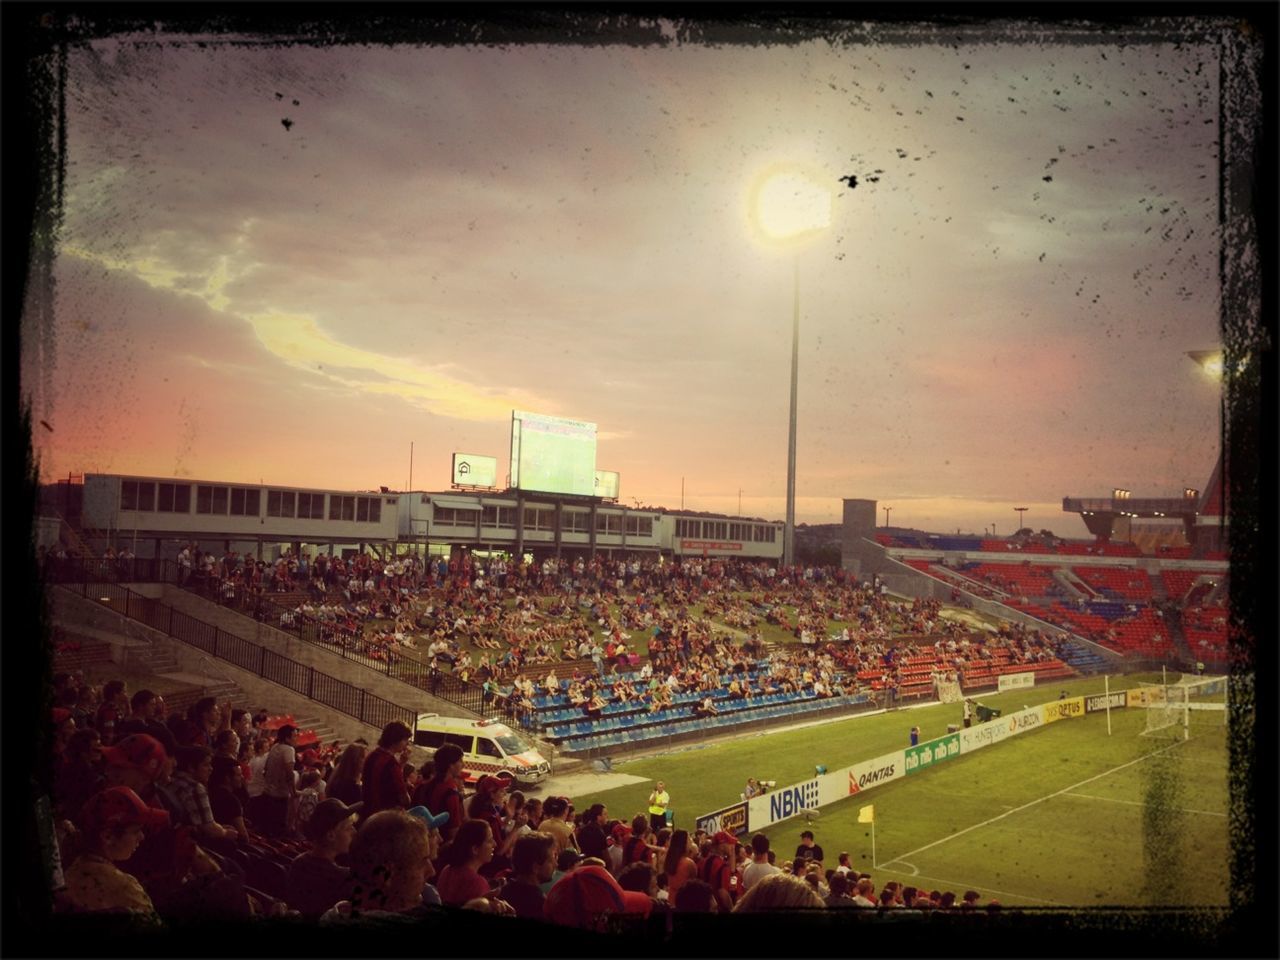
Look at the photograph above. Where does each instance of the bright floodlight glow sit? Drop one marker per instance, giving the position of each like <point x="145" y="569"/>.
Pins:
<point x="788" y="205"/>
<point x="1211" y="362"/>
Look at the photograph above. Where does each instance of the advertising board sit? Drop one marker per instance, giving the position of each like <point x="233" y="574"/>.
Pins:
<point x="1015" y="681"/>
<point x="732" y="819"/>
<point x="985" y="734"/>
<point x="607" y="482"/>
<point x="1064" y="709"/>
<point x="782" y="804"/>
<point x="931" y="753"/>
<point x="869" y="773"/>
<point x="473" y="470"/>
<point x="1103" y="700"/>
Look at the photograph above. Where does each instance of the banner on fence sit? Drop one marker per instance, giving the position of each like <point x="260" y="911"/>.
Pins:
<point x="1064" y="709"/>
<point x="931" y="753"/>
<point x="1015" y="681"/>
<point x="782" y="804"/>
<point x="732" y="819"/>
<point x="1103" y="700"/>
<point x="870" y="773"/>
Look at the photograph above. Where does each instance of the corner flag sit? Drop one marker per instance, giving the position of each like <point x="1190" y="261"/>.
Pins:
<point x="867" y="814"/>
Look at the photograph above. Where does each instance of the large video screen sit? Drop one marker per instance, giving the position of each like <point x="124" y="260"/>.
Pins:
<point x="473" y="470"/>
<point x="553" y="454"/>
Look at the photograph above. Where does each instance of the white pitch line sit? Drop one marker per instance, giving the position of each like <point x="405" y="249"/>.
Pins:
<point x="1135" y="803"/>
<point x="1105" y="773"/>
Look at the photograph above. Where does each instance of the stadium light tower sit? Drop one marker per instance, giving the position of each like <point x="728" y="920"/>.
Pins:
<point x="789" y="207"/>
<point x="1020" y="511"/>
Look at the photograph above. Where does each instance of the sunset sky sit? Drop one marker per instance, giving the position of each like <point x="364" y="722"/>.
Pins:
<point x="998" y="315"/>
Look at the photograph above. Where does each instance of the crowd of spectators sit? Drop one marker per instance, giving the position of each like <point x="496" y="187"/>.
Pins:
<point x="211" y="813"/>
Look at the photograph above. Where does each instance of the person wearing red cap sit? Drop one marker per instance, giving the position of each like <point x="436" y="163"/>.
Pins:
<point x="112" y="824"/>
<point x="587" y="897"/>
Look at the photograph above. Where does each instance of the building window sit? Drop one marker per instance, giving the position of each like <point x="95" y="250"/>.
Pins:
<point x="502" y="518"/>
<point x="449" y="517"/>
<point x="245" y="502"/>
<point x="536" y="518"/>
<point x="639" y="526"/>
<point x="369" y="509"/>
<point x="686" y="527"/>
<point x="137" y="495"/>
<point x="311" y="506"/>
<point x="212" y="500"/>
<point x="174" y="498"/>
<point x="609" y="523"/>
<point x="765" y="534"/>
<point x="281" y="503"/>
<point x="342" y="508"/>
<point x="576" y="521"/>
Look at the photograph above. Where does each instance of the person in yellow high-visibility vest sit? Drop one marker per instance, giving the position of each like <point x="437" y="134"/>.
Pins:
<point x="658" y="802"/>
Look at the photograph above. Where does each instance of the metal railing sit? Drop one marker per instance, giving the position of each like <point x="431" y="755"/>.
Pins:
<point x="301" y="678"/>
<point x="401" y="666"/>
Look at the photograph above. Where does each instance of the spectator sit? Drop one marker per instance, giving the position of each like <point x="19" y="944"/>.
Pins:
<point x="639" y="878"/>
<point x="779" y="892"/>
<point x="533" y="863"/>
<point x="678" y="867"/>
<point x="554" y="821"/>
<point x="148" y="717"/>
<point x="190" y="791"/>
<point x="636" y="847"/>
<point x="316" y="881"/>
<point x="808" y="850"/>
<point x="345" y="783"/>
<point x="390" y="866"/>
<point x="591" y="835"/>
<point x="112" y="824"/>
<point x="256" y="782"/>
<point x="489" y="804"/>
<point x="472" y="848"/>
<point x="114" y="709"/>
<point x="864" y="893"/>
<point x="718" y="867"/>
<point x="566" y="860"/>
<point x="80" y="776"/>
<point x="310" y="793"/>
<point x="224" y="784"/>
<point x="443" y="793"/>
<point x="839" y="897"/>
<point x="759" y="867"/>
<point x="588" y="896"/>
<point x="696" y="896"/>
<point x="279" y="787"/>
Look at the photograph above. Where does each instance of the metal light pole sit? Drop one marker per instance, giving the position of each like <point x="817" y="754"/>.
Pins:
<point x="886" y="516"/>
<point x="1020" y="511"/>
<point x="789" y="531"/>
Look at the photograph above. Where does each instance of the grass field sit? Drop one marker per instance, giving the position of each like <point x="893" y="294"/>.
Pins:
<point x="1061" y="816"/>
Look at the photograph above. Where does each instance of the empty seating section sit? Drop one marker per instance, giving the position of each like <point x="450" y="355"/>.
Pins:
<point x="1120" y="583"/>
<point x="1017" y="579"/>
<point x="1178" y="583"/>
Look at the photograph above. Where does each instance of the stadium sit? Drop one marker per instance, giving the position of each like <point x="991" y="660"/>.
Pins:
<point x="556" y="695"/>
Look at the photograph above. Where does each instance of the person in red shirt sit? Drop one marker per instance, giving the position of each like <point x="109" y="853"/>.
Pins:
<point x="443" y="792"/>
<point x="383" y="783"/>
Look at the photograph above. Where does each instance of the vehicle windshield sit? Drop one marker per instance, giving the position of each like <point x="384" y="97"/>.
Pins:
<point x="511" y="744"/>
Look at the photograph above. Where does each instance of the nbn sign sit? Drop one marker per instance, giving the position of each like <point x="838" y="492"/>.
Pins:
<point x="791" y="800"/>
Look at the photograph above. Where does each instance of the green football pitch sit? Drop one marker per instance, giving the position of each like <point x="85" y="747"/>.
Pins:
<point x="1063" y="816"/>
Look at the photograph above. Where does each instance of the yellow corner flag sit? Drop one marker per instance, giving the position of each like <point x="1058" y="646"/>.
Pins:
<point x="867" y="814"/>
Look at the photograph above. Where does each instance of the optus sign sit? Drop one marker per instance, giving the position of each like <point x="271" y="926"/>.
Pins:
<point x="1064" y="709"/>
<point x="931" y="753"/>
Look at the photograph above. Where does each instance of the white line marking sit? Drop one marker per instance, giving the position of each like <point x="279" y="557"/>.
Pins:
<point x="1135" y="803"/>
<point x="1105" y="773"/>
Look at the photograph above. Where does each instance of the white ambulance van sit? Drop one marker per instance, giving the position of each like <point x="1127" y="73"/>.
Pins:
<point x="488" y="746"/>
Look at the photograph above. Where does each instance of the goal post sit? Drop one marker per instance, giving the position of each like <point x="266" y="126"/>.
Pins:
<point x="1195" y="701"/>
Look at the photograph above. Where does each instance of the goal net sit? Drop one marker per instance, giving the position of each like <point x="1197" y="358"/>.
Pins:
<point x="1178" y="707"/>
